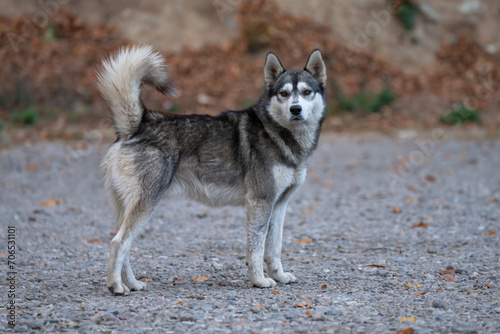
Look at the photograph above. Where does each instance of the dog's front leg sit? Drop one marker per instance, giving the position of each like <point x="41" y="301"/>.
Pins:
<point x="273" y="245"/>
<point x="258" y="214"/>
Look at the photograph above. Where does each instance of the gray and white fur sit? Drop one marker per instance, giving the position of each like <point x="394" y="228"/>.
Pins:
<point x="255" y="157"/>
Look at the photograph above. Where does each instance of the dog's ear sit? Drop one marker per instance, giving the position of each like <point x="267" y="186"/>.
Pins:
<point x="273" y="68"/>
<point x="316" y="66"/>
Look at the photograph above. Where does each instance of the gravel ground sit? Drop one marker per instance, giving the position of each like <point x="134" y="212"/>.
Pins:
<point x="363" y="270"/>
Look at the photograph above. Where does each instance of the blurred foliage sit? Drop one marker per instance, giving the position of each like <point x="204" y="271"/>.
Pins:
<point x="27" y="116"/>
<point x="367" y="101"/>
<point x="461" y="114"/>
<point x="51" y="33"/>
<point x="407" y="14"/>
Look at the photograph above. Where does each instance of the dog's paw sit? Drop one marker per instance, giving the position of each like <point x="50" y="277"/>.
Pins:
<point x="118" y="289"/>
<point x="264" y="283"/>
<point x="135" y="285"/>
<point x="285" y="278"/>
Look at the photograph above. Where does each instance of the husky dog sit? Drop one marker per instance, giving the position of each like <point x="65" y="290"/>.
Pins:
<point x="255" y="157"/>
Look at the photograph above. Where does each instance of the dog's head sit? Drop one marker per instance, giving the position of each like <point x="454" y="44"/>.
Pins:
<point x="296" y="97"/>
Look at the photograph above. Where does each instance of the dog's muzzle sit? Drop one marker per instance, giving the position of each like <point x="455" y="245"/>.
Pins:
<point x="295" y="110"/>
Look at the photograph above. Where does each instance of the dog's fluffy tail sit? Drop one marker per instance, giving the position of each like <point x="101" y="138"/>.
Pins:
<point x="120" y="81"/>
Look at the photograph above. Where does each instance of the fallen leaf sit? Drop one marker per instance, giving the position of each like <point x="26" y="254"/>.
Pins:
<point x="309" y="312"/>
<point x="72" y="209"/>
<point x="396" y="210"/>
<point x="258" y="305"/>
<point x="179" y="303"/>
<point x="410" y="285"/>
<point x="147" y="280"/>
<point x="200" y="279"/>
<point x="410" y="200"/>
<point x="305" y="241"/>
<point x="492" y="200"/>
<point x="323" y="287"/>
<point x="407" y="319"/>
<point x="51" y="202"/>
<point x="490" y="233"/>
<point x="308" y="211"/>
<point x="471" y="292"/>
<point x="437" y="289"/>
<point x="132" y="250"/>
<point x="421" y="224"/>
<point x="408" y="330"/>
<point x="430" y="178"/>
<point x="32" y="167"/>
<point x="487" y="285"/>
<point x="449" y="271"/>
<point x="449" y="279"/>
<point x="374" y="265"/>
<point x="275" y="292"/>
<point x="93" y="241"/>
<point x="420" y="293"/>
<point x="4" y="254"/>
<point x="396" y="283"/>
<point x="303" y="305"/>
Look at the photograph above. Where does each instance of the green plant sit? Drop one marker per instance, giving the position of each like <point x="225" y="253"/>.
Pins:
<point x="385" y="97"/>
<point x="28" y="116"/>
<point x="461" y="114"/>
<point x="407" y="14"/>
<point x="369" y="102"/>
<point x="51" y="33"/>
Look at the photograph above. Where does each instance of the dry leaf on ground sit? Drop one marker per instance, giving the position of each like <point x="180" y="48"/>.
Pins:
<point x="448" y="272"/>
<point x="200" y="279"/>
<point x="305" y="241"/>
<point x="408" y="330"/>
<point x="420" y="293"/>
<point x="396" y="210"/>
<point x="449" y="279"/>
<point x="407" y="319"/>
<point x="179" y="303"/>
<point x="421" y="224"/>
<point x="303" y="305"/>
<point x="374" y="265"/>
<point x="93" y="241"/>
<point x="323" y="287"/>
<point x="275" y="292"/>
<point x="490" y="233"/>
<point x="51" y="202"/>
<point x="309" y="312"/>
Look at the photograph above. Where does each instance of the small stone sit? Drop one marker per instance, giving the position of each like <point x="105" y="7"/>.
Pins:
<point x="231" y="295"/>
<point x="318" y="317"/>
<point x="438" y="304"/>
<point x="21" y="329"/>
<point x="34" y="325"/>
<point x="256" y="309"/>
<point x="225" y="282"/>
<point x="187" y="318"/>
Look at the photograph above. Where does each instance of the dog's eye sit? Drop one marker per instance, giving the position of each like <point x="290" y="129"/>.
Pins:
<point x="307" y="92"/>
<point x="284" y="94"/>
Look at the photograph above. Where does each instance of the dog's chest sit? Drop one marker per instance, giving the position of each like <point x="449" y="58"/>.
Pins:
<point x="284" y="177"/>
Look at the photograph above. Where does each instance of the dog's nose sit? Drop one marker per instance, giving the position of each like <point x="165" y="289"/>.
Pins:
<point x="295" y="109"/>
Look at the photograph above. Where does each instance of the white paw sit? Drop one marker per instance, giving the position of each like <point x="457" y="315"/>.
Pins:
<point x="135" y="285"/>
<point x="264" y="283"/>
<point x="118" y="289"/>
<point x="285" y="278"/>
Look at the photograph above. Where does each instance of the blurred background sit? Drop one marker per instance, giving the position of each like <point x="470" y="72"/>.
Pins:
<point x="392" y="65"/>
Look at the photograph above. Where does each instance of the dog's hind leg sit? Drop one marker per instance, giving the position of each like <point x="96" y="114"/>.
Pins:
<point x="144" y="189"/>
